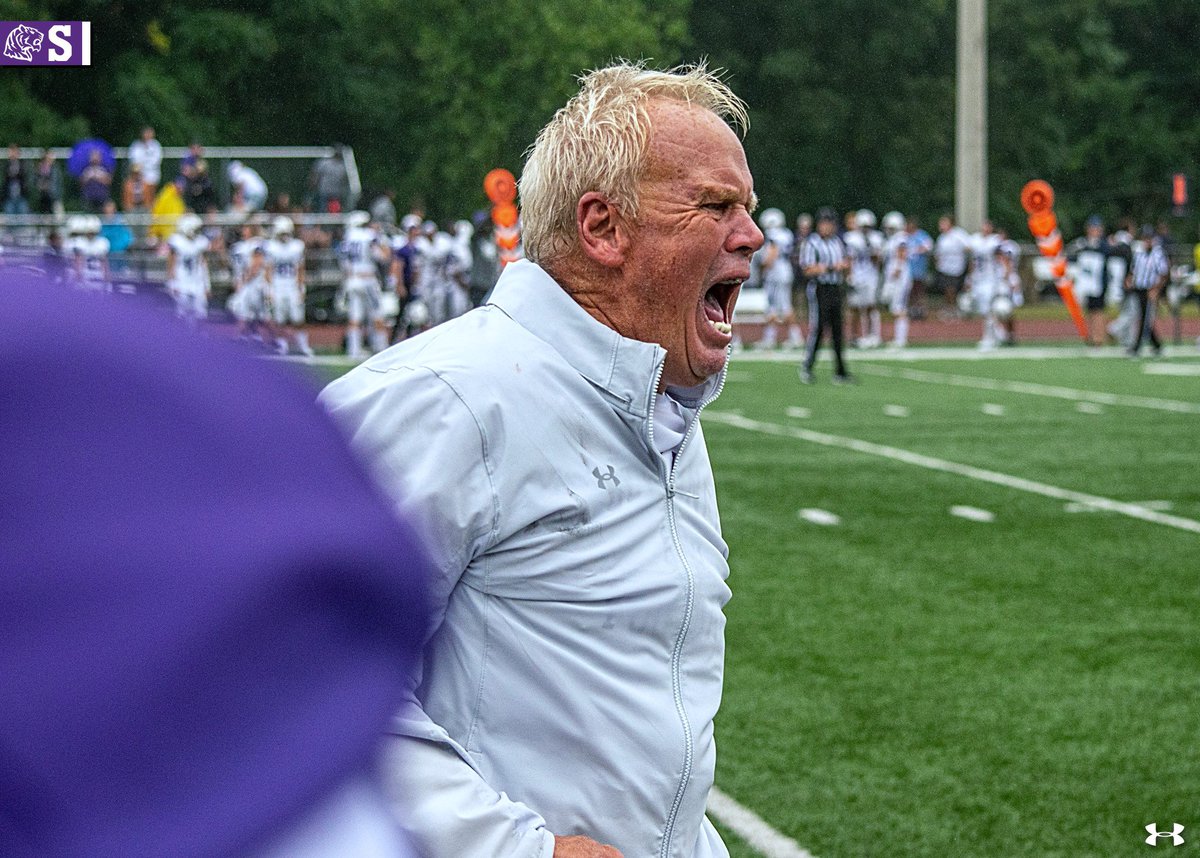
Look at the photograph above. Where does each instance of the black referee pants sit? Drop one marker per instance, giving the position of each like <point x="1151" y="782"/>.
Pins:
<point x="824" y="311"/>
<point x="1145" y="322"/>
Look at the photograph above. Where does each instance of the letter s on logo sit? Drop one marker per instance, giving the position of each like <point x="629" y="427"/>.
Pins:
<point x="58" y="36"/>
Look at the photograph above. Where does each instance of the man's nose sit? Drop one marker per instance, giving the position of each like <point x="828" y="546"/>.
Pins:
<point x="746" y="237"/>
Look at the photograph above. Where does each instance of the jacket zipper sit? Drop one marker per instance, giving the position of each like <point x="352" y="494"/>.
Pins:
<point x="676" y="687"/>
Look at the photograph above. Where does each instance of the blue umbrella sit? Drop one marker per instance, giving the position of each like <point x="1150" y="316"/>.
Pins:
<point x="81" y="155"/>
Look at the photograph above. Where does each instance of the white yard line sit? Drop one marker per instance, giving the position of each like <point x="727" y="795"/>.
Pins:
<point x="820" y="516"/>
<point x="1094" y="396"/>
<point x="750" y="827"/>
<point x="973" y="513"/>
<point x="1171" y="369"/>
<point x="934" y="464"/>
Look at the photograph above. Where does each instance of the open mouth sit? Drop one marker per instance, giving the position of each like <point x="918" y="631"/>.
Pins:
<point x="718" y="305"/>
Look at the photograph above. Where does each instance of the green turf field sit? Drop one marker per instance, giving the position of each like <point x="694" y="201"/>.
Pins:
<point x="908" y="682"/>
<point x="911" y="683"/>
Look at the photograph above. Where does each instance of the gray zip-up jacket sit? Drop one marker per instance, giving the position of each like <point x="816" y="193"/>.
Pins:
<point x="571" y="683"/>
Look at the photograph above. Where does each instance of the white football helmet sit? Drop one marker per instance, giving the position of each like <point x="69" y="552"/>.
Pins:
<point x="357" y="218"/>
<point x="91" y="225"/>
<point x="283" y="226"/>
<point x="189" y="224"/>
<point x="76" y="224"/>
<point x="866" y="218"/>
<point x="771" y="219"/>
<point x="893" y="221"/>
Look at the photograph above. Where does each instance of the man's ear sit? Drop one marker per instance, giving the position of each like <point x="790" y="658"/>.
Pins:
<point x="603" y="233"/>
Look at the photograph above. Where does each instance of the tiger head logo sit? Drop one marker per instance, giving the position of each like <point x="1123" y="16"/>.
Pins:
<point x="22" y="42"/>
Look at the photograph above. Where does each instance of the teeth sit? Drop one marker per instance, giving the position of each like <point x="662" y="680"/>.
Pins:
<point x="723" y="327"/>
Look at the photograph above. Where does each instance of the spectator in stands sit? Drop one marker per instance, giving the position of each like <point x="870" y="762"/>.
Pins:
<point x="48" y="185"/>
<point x="237" y="203"/>
<point x="330" y="182"/>
<point x="383" y="209"/>
<point x="212" y="230"/>
<point x="137" y="197"/>
<point x="198" y="193"/>
<point x="95" y="183"/>
<point x="251" y="184"/>
<point x="114" y="228"/>
<point x="16" y="183"/>
<point x="195" y="154"/>
<point x="281" y="204"/>
<point x="146" y="153"/>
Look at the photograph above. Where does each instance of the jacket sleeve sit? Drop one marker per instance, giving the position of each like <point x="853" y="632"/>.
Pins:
<point x="429" y="452"/>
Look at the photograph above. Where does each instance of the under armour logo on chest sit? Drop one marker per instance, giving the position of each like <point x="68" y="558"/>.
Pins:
<point x="602" y="479"/>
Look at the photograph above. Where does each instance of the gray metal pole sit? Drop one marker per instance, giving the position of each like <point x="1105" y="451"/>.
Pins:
<point x="970" y="139"/>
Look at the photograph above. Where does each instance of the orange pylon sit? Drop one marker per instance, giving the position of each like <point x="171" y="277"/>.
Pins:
<point x="1037" y="198"/>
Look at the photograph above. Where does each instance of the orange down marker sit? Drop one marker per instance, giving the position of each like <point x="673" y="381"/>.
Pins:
<point x="1037" y="198"/>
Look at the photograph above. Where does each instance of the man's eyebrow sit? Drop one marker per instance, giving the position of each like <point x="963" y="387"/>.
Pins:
<point x="715" y="194"/>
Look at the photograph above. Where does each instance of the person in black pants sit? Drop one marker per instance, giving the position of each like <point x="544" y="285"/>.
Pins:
<point x="824" y="261"/>
<point x="1149" y="276"/>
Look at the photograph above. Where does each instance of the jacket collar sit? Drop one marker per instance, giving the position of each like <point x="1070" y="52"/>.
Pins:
<point x="625" y="368"/>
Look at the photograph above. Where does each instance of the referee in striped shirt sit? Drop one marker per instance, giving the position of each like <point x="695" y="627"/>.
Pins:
<point x="824" y="261"/>
<point x="1150" y="270"/>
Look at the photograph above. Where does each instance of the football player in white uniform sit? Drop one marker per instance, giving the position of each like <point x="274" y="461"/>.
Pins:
<point x="446" y="270"/>
<point x="361" y="250"/>
<point x="865" y="246"/>
<point x="187" y="269"/>
<point x="986" y="281"/>
<point x="285" y="274"/>
<point x="1089" y="254"/>
<point x="88" y="251"/>
<point x="247" y="263"/>
<point x="1009" y="257"/>
<point x="897" y="286"/>
<point x="774" y="263"/>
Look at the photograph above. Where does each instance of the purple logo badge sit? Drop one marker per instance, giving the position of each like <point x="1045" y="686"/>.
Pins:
<point x="46" y="43"/>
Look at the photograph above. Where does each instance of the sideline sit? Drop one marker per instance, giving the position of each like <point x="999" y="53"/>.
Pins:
<point x="916" y="354"/>
<point x="1094" y="396"/>
<point x="751" y="827"/>
<point x="1131" y="510"/>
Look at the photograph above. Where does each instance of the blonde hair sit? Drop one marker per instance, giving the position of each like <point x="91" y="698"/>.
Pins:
<point x="598" y="142"/>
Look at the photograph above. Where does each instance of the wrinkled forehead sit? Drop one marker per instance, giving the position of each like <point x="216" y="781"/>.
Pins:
<point x="691" y="144"/>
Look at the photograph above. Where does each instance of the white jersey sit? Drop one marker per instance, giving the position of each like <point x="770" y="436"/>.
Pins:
<point x="90" y="253"/>
<point x="780" y="271"/>
<point x="359" y="249"/>
<point x="986" y="274"/>
<point x="865" y="247"/>
<point x="241" y="255"/>
<point x="1012" y="250"/>
<point x="1089" y="270"/>
<point x="191" y="270"/>
<point x="950" y="251"/>
<point x="285" y="259"/>
<point x="891" y="247"/>
<point x="897" y="283"/>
